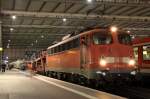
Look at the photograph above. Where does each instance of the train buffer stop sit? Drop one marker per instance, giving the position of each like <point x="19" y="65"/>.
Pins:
<point x="15" y="84"/>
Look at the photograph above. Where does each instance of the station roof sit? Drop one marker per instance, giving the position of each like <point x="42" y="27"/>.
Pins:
<point x="39" y="23"/>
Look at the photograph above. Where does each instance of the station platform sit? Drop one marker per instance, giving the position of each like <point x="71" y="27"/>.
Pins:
<point x="15" y="84"/>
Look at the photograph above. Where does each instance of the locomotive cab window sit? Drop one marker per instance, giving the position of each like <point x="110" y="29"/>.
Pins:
<point x="124" y="38"/>
<point x="146" y="52"/>
<point x="102" y="38"/>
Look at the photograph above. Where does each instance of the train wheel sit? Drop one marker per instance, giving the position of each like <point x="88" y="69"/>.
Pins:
<point x="74" y="78"/>
<point x="65" y="77"/>
<point x="46" y="73"/>
<point x="60" y="76"/>
<point x="49" y="74"/>
<point x="68" y="77"/>
<point x="82" y="81"/>
<point x="93" y="83"/>
<point x="54" y="75"/>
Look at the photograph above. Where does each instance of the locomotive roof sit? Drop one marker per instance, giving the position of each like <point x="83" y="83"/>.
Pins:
<point x="74" y="37"/>
<point x="89" y="30"/>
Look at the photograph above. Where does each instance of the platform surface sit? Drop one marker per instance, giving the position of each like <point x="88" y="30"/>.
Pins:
<point x="18" y="85"/>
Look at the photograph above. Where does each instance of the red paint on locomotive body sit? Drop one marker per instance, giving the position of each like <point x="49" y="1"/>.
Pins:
<point x="115" y="54"/>
<point x="64" y="60"/>
<point x="99" y="51"/>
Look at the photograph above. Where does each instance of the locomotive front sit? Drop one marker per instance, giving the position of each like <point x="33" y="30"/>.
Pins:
<point x="112" y="53"/>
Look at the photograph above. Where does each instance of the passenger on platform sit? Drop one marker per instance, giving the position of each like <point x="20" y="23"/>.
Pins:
<point x="3" y="67"/>
<point x="7" y="67"/>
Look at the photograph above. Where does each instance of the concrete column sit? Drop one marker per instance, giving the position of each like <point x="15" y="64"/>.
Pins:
<point x="0" y="34"/>
<point x="1" y="42"/>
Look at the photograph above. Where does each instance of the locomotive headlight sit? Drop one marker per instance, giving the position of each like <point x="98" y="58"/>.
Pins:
<point x="103" y="62"/>
<point x="114" y="29"/>
<point x="132" y="62"/>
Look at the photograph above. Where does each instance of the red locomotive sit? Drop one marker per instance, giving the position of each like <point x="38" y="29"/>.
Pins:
<point x="95" y="54"/>
<point x="142" y="55"/>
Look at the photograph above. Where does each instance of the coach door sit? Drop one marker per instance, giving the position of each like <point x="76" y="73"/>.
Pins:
<point x="84" y="52"/>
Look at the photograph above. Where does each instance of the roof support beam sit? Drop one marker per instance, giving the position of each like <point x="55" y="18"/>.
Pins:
<point x="137" y="29"/>
<point x="78" y="16"/>
<point x="43" y="26"/>
<point x="14" y="41"/>
<point x="107" y="2"/>
<point x="65" y="27"/>
<point x="0" y="34"/>
<point x="33" y="34"/>
<point x="26" y="45"/>
<point x="6" y="18"/>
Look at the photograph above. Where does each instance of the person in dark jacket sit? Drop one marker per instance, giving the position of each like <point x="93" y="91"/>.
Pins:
<point x="3" y="67"/>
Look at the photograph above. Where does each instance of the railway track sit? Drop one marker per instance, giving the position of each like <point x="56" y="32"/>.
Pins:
<point x="131" y="92"/>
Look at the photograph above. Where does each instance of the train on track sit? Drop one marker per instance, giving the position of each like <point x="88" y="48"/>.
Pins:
<point x="95" y="55"/>
<point x="142" y="56"/>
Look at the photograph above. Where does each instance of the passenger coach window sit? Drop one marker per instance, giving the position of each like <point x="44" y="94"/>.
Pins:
<point x="146" y="52"/>
<point x="102" y="38"/>
<point x="124" y="38"/>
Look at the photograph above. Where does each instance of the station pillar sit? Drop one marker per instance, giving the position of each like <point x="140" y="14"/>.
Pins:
<point x="1" y="48"/>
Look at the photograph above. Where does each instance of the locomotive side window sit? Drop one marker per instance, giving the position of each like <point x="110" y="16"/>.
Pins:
<point x="66" y="46"/>
<point x="63" y="47"/>
<point x="124" y="38"/>
<point x="71" y="44"/>
<point x="76" y="43"/>
<point x="55" y="49"/>
<point x="59" y="48"/>
<point x="102" y="38"/>
<point x="49" y="51"/>
<point x="146" y="52"/>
